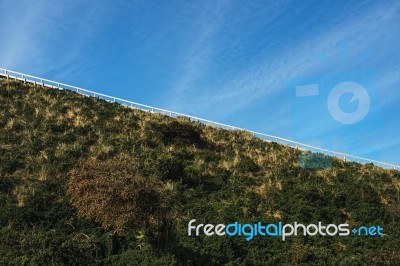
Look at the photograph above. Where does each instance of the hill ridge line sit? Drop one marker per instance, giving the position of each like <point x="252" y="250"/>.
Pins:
<point x="9" y="74"/>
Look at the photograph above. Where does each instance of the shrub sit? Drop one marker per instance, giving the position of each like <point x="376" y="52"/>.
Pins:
<point x="113" y="194"/>
<point x="178" y="133"/>
<point x="170" y="167"/>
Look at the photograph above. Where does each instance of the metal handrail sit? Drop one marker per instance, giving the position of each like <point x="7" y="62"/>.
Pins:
<point x="58" y="85"/>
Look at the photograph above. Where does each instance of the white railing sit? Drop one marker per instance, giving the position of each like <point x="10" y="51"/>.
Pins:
<point x="57" y="85"/>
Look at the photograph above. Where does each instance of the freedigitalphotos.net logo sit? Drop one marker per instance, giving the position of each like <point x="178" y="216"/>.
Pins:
<point x="338" y="107"/>
<point x="249" y="231"/>
<point x="359" y="93"/>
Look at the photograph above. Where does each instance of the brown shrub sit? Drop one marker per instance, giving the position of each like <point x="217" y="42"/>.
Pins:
<point x="113" y="194"/>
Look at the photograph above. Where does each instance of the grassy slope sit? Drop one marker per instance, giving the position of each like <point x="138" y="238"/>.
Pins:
<point x="218" y="178"/>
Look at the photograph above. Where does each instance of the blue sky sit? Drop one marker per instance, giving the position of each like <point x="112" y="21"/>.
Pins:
<point x="235" y="62"/>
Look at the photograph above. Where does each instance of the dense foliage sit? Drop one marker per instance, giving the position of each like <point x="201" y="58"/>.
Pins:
<point x="113" y="194"/>
<point x="85" y="181"/>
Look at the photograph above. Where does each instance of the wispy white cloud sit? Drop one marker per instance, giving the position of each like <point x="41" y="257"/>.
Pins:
<point x="267" y="78"/>
<point x="196" y="62"/>
<point x="39" y="38"/>
<point x="389" y="87"/>
<point x="201" y="48"/>
<point x="19" y="26"/>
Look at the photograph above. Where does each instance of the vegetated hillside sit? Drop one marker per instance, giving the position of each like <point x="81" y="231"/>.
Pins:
<point x="85" y="181"/>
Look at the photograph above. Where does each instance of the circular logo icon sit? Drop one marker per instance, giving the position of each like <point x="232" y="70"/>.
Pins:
<point x="359" y="93"/>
